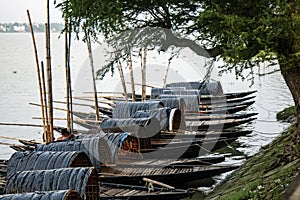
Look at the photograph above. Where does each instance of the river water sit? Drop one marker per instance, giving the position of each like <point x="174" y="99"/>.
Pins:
<point x="19" y="87"/>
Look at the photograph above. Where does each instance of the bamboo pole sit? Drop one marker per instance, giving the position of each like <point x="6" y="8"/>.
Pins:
<point x="6" y="144"/>
<point x="150" y="86"/>
<point x="167" y="70"/>
<point x="67" y="78"/>
<point x="75" y="120"/>
<point x="49" y="137"/>
<point x="38" y="73"/>
<point x="70" y="83"/>
<point x="12" y="138"/>
<point x="112" y="104"/>
<point x="61" y="109"/>
<point x="55" y="118"/>
<point x="133" y="97"/>
<point x="105" y="93"/>
<point x="89" y="46"/>
<point x="20" y="124"/>
<point x="143" y="55"/>
<point x="48" y="19"/>
<point x="44" y="98"/>
<point x="119" y="66"/>
<point x="77" y="104"/>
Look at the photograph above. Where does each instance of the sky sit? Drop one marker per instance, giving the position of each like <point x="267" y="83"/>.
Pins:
<point x="15" y="11"/>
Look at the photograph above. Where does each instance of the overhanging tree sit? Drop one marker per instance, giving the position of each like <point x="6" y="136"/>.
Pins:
<point x="240" y="32"/>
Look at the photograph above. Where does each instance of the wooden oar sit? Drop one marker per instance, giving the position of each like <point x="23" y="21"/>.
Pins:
<point x="148" y="180"/>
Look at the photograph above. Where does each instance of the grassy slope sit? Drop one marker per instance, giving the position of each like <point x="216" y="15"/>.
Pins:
<point x="267" y="174"/>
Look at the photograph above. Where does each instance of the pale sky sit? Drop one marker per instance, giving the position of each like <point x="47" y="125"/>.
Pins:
<point x="15" y="11"/>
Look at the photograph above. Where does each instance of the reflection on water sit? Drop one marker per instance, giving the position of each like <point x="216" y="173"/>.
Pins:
<point x="18" y="87"/>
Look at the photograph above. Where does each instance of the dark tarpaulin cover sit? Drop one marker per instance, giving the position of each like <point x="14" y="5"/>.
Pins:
<point x="161" y="114"/>
<point x="130" y="122"/>
<point x="113" y="140"/>
<point x="155" y="92"/>
<point x="50" y="180"/>
<point x="97" y="148"/>
<point x="183" y="92"/>
<point x="186" y="85"/>
<point x="40" y="160"/>
<point x="211" y="88"/>
<point x="51" y="195"/>
<point x="125" y="110"/>
<point x="100" y="147"/>
<point x="206" y="88"/>
<point x="191" y="101"/>
<point x="174" y="103"/>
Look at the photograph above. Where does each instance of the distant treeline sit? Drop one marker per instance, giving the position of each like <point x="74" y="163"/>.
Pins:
<point x="24" y="27"/>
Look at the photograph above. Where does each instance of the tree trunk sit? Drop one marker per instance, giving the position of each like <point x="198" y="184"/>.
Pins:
<point x="292" y="79"/>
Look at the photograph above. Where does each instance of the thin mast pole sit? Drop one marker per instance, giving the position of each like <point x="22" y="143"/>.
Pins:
<point x="131" y="77"/>
<point x="167" y="70"/>
<point x="49" y="82"/>
<point x="143" y="61"/>
<point x="70" y="82"/>
<point x="67" y="77"/>
<point x="45" y="108"/>
<point x="38" y="73"/>
<point x="119" y="66"/>
<point x="89" y="46"/>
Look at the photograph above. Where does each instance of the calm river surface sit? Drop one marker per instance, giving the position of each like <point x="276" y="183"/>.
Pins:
<point x="18" y="87"/>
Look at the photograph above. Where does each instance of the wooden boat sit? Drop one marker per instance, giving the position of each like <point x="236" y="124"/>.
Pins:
<point x="227" y="95"/>
<point x="224" y="106"/>
<point x="125" y="191"/>
<point x="226" y="110"/>
<point x="201" y="160"/>
<point x="174" y="175"/>
<point x="205" y="134"/>
<point x="216" y="124"/>
<point x="204" y="99"/>
<point x="202" y="120"/>
<point x="185" y="149"/>
<point x="224" y="100"/>
<point x="216" y="109"/>
<point x="86" y="181"/>
<point x="208" y="117"/>
<point x="119" y="191"/>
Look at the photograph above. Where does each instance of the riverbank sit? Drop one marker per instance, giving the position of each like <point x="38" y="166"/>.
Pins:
<point x="268" y="174"/>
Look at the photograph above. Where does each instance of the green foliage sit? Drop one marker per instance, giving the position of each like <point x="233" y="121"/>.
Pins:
<point x="242" y="33"/>
<point x="287" y="113"/>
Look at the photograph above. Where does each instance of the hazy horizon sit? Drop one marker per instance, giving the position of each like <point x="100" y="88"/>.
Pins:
<point x="15" y="11"/>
